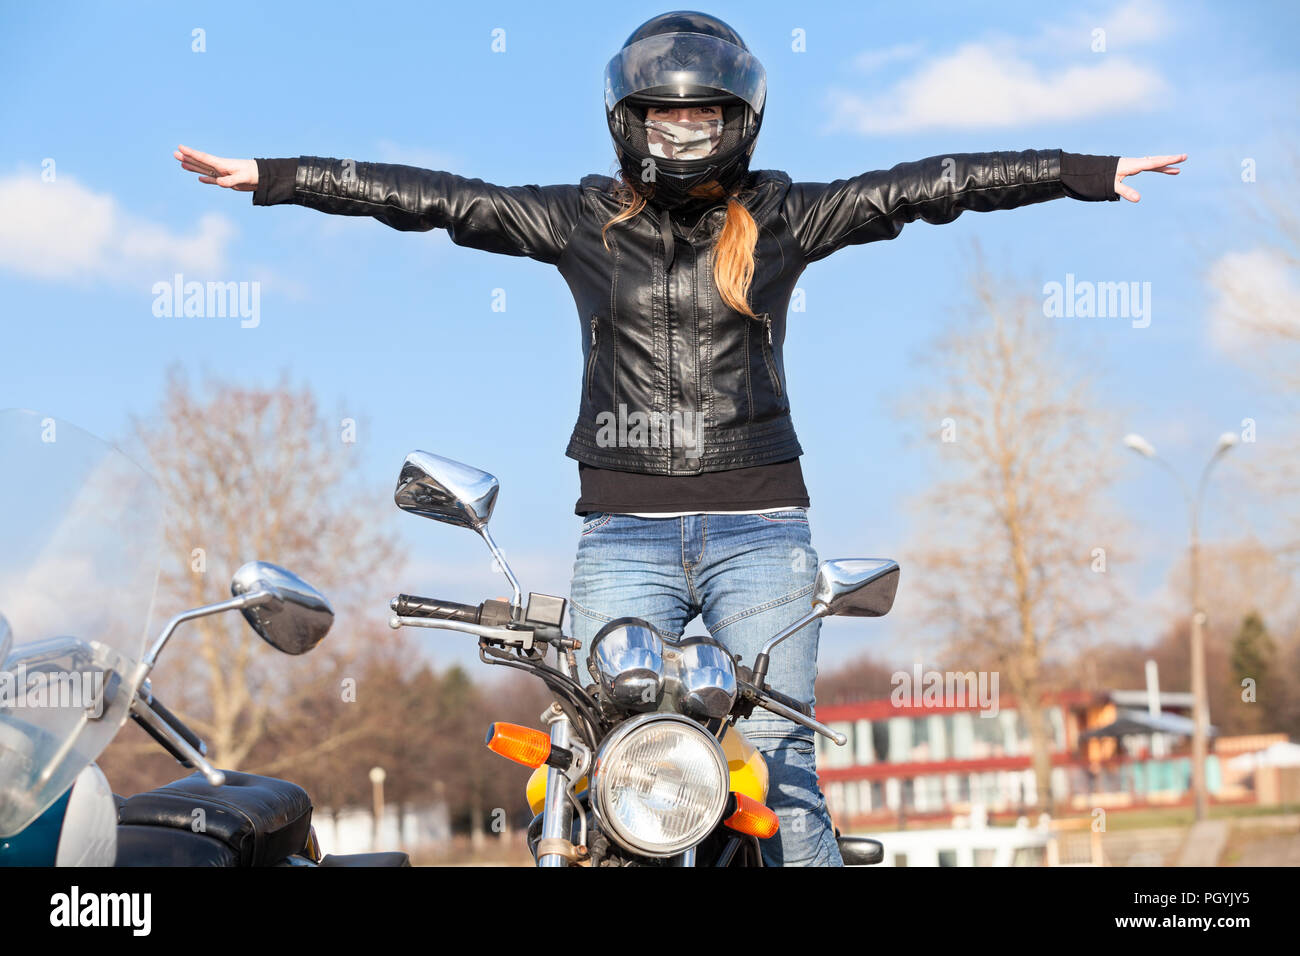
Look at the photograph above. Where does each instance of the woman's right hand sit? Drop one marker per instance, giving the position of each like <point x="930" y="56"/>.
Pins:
<point x="237" y="174"/>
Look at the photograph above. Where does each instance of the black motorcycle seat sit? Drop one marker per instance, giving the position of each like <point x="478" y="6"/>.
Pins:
<point x="262" y="819"/>
<point x="168" y="846"/>
<point x="393" y="858"/>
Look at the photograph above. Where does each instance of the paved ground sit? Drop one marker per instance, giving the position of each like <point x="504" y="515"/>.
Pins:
<point x="1205" y="843"/>
<point x="1264" y="849"/>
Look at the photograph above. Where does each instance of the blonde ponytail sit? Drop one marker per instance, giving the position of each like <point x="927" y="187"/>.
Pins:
<point x="733" y="257"/>
<point x="733" y="253"/>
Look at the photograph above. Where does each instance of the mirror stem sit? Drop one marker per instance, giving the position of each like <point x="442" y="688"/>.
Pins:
<point x="516" y="603"/>
<point x="150" y="659"/>
<point x="761" y="661"/>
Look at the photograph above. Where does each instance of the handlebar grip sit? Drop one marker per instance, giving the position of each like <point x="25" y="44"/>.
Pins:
<point x="410" y="605"/>
<point x="790" y="702"/>
<point x="178" y="725"/>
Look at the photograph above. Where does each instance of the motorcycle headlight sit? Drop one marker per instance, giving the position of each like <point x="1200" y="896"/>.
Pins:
<point x="703" y="676"/>
<point x="659" y="784"/>
<point x="627" y="657"/>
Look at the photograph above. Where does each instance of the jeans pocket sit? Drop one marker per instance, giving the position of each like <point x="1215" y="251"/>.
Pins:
<point x="595" y="520"/>
<point x="795" y="515"/>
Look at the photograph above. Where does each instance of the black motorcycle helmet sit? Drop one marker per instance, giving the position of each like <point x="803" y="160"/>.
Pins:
<point x="676" y="60"/>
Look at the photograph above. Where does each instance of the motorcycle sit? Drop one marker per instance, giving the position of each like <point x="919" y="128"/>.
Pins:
<point x="82" y="527"/>
<point x="643" y="766"/>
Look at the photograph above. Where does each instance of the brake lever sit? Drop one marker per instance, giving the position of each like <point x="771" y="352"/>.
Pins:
<point x="791" y="714"/>
<point x="761" y="698"/>
<point x="522" y="638"/>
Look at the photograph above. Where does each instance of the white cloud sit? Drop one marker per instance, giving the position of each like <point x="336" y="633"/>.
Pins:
<point x="872" y="60"/>
<point x="1256" y="296"/>
<point x="1005" y="82"/>
<point x="64" y="230"/>
<point x="1128" y="25"/>
<point x="976" y="88"/>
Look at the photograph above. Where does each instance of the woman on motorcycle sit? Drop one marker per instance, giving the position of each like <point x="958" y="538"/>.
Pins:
<point x="682" y="268"/>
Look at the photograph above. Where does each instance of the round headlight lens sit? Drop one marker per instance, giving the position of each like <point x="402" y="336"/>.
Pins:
<point x="660" y="784"/>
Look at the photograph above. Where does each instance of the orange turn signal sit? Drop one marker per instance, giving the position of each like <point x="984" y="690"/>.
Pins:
<point x="752" y="817"/>
<point x="520" y="744"/>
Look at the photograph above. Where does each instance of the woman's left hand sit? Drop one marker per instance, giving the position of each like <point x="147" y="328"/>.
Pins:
<point x="1131" y="167"/>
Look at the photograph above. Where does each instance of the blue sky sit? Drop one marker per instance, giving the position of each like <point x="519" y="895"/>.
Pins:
<point x="397" y="329"/>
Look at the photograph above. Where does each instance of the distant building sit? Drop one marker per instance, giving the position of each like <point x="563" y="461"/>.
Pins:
<point x="916" y="762"/>
<point x="354" y="831"/>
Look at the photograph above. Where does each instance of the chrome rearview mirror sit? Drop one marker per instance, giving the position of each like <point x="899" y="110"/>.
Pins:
<point x="445" y="490"/>
<point x="287" y="613"/>
<point x="850" y="587"/>
<point x="435" y="487"/>
<point x="857" y="587"/>
<point x="295" y="616"/>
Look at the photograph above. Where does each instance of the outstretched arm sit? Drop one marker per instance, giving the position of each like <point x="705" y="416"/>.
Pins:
<point x="876" y="205"/>
<point x="530" y="221"/>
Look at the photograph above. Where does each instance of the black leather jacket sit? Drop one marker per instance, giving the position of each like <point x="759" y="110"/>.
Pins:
<point x="707" y="384"/>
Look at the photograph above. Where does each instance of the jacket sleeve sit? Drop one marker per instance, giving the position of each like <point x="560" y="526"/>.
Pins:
<point x="532" y="221"/>
<point x="876" y="205"/>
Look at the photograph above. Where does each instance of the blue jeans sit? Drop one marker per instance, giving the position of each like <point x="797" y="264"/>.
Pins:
<point x="749" y="576"/>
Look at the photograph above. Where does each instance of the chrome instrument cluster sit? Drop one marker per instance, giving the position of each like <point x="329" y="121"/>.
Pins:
<point x="638" y="670"/>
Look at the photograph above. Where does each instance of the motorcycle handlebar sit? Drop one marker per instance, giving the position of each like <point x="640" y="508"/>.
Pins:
<point x="488" y="613"/>
<point x="411" y="605"/>
<point x="790" y="702"/>
<point x="176" y="724"/>
<point x="760" y="691"/>
<point x="795" y="710"/>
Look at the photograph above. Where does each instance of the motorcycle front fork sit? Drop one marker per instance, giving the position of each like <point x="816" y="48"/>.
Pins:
<point x="557" y="818"/>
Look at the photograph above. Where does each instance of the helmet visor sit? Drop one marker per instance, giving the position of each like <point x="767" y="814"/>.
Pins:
<point x="690" y="67"/>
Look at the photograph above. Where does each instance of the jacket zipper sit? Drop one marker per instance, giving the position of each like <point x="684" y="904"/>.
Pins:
<point x="668" y="342"/>
<point x="703" y="219"/>
<point x="767" y="356"/>
<point x="591" y="358"/>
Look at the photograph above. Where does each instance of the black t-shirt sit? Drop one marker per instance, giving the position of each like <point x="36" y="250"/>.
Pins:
<point x="778" y="485"/>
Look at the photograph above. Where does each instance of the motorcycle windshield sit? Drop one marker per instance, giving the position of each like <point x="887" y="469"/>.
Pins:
<point x="81" y="535"/>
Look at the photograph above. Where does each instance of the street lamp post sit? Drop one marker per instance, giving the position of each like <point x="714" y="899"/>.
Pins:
<point x="377" y="777"/>
<point x="1200" y="706"/>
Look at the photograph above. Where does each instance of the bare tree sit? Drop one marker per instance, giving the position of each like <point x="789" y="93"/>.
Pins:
<point x="863" y="678"/>
<point x="1020" y="542"/>
<point x="1258" y="287"/>
<point x="258" y="473"/>
<point x="1246" y="577"/>
<point x="253" y="473"/>
<point x="1255" y="317"/>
